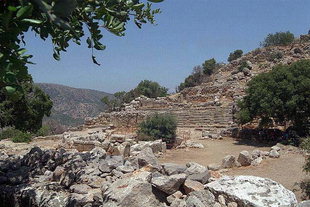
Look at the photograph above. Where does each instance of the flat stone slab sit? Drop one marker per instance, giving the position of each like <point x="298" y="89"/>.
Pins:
<point x="253" y="191"/>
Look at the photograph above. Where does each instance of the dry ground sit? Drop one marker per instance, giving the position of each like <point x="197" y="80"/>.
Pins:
<point x="286" y="170"/>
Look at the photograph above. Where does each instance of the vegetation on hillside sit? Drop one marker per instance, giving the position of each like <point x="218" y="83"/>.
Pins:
<point x="200" y="74"/>
<point x="281" y="96"/>
<point x="278" y="39"/>
<point x="146" y="88"/>
<point x="64" y="22"/>
<point x="19" y="136"/>
<point x="71" y="105"/>
<point x="235" y="55"/>
<point x="158" y="126"/>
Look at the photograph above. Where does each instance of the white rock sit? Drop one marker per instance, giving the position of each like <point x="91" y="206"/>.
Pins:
<point x="253" y="191"/>
<point x="274" y="154"/>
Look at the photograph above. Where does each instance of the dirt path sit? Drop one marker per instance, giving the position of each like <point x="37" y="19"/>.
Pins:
<point x="286" y="170"/>
<point x="213" y="152"/>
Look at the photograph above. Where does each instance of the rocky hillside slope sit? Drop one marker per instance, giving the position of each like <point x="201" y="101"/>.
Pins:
<point x="72" y="105"/>
<point x="211" y="106"/>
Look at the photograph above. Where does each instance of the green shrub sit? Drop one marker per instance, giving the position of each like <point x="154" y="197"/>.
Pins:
<point x="15" y="135"/>
<point x="235" y="55"/>
<point x="275" y="55"/>
<point x="278" y="39"/>
<point x="158" y="126"/>
<point x="22" y="137"/>
<point x="192" y="80"/>
<point x="242" y="66"/>
<point x="283" y="95"/>
<point x="209" y="66"/>
<point x="43" y="131"/>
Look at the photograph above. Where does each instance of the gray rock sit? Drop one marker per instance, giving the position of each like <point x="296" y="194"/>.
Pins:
<point x="229" y="161"/>
<point x="257" y="161"/>
<point x="125" y="169"/>
<point x="274" y="154"/>
<point x="157" y="146"/>
<point x="252" y="191"/>
<point x="172" y="168"/>
<point x="178" y="203"/>
<point x="200" y="177"/>
<point x="176" y="195"/>
<point x="146" y="157"/>
<point x="214" y="167"/>
<point x="276" y="148"/>
<point x="131" y="191"/>
<point x="304" y="204"/>
<point x="80" y="188"/>
<point x="202" y="198"/>
<point x="191" y="185"/>
<point x="169" y="184"/>
<point x="244" y="158"/>
<point x="193" y="168"/>
<point x="256" y="153"/>
<point x="114" y="161"/>
<point x="98" y="153"/>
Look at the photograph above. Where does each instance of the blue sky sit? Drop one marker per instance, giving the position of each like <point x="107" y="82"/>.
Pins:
<point x="186" y="34"/>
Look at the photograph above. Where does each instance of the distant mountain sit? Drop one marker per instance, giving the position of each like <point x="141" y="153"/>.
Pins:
<point x="72" y="105"/>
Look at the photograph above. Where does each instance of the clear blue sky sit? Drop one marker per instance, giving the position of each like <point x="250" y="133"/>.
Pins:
<point x="188" y="32"/>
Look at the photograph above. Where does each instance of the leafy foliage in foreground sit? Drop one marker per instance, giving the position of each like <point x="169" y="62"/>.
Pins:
<point x="278" y="39"/>
<point x="158" y="126"/>
<point x="64" y="22"/>
<point x="146" y="88"/>
<point x="282" y="95"/>
<point x="24" y="113"/>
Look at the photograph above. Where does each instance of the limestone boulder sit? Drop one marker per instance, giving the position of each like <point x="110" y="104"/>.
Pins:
<point x="252" y="191"/>
<point x="274" y="154"/>
<point x="244" y="158"/>
<point x="229" y="161"/>
<point x="191" y="185"/>
<point x="168" y="184"/>
<point x="131" y="191"/>
<point x="202" y="198"/>
<point x="172" y="168"/>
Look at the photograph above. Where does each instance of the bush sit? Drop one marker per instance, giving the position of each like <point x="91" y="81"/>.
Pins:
<point x="158" y="126"/>
<point x="235" y="55"/>
<point x="275" y="55"/>
<point x="43" y="131"/>
<point x="242" y="66"/>
<point x="15" y="135"/>
<point x="209" y="66"/>
<point x="278" y="39"/>
<point x="194" y="79"/>
<point x="282" y="95"/>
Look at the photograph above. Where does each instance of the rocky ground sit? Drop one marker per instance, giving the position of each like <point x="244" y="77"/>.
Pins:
<point x="99" y="167"/>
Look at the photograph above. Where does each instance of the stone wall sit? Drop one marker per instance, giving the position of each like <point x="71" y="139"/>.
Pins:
<point x="211" y="106"/>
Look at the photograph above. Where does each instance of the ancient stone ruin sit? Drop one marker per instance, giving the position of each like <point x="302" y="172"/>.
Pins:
<point x="211" y="106"/>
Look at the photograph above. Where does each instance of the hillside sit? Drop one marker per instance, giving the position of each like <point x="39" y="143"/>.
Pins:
<point x="72" y="105"/>
<point x="211" y="106"/>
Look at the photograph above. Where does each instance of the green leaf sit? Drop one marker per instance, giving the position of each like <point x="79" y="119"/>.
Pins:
<point x="24" y="11"/>
<point x="32" y="21"/>
<point x="12" y="8"/>
<point x="10" y="89"/>
<point x="1" y="55"/>
<point x="138" y="6"/>
<point x="56" y="56"/>
<point x="22" y="51"/>
<point x="100" y="47"/>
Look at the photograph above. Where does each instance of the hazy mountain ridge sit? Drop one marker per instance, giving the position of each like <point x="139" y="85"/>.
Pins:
<point x="72" y="105"/>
